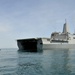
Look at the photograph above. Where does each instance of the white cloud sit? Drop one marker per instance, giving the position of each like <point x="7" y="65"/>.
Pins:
<point x="5" y="28"/>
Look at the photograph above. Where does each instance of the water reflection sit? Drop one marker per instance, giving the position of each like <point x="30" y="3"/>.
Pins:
<point x="49" y="62"/>
<point x="59" y="63"/>
<point x="30" y="50"/>
<point x="29" y="63"/>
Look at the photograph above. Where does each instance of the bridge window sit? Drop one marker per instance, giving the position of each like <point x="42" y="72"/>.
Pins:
<point x="73" y="37"/>
<point x="48" y="39"/>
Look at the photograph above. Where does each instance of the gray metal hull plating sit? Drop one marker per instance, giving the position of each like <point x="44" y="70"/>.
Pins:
<point x="58" y="46"/>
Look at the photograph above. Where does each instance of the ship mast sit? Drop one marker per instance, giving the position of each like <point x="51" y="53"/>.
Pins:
<point x="65" y="28"/>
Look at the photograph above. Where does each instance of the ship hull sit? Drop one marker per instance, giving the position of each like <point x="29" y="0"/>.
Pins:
<point x="27" y="44"/>
<point x="41" y="44"/>
<point x="58" y="46"/>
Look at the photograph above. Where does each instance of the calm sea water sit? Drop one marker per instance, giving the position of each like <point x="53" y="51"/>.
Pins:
<point x="48" y="62"/>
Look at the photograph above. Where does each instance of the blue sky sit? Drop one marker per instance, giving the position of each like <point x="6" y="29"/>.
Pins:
<point x="33" y="18"/>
